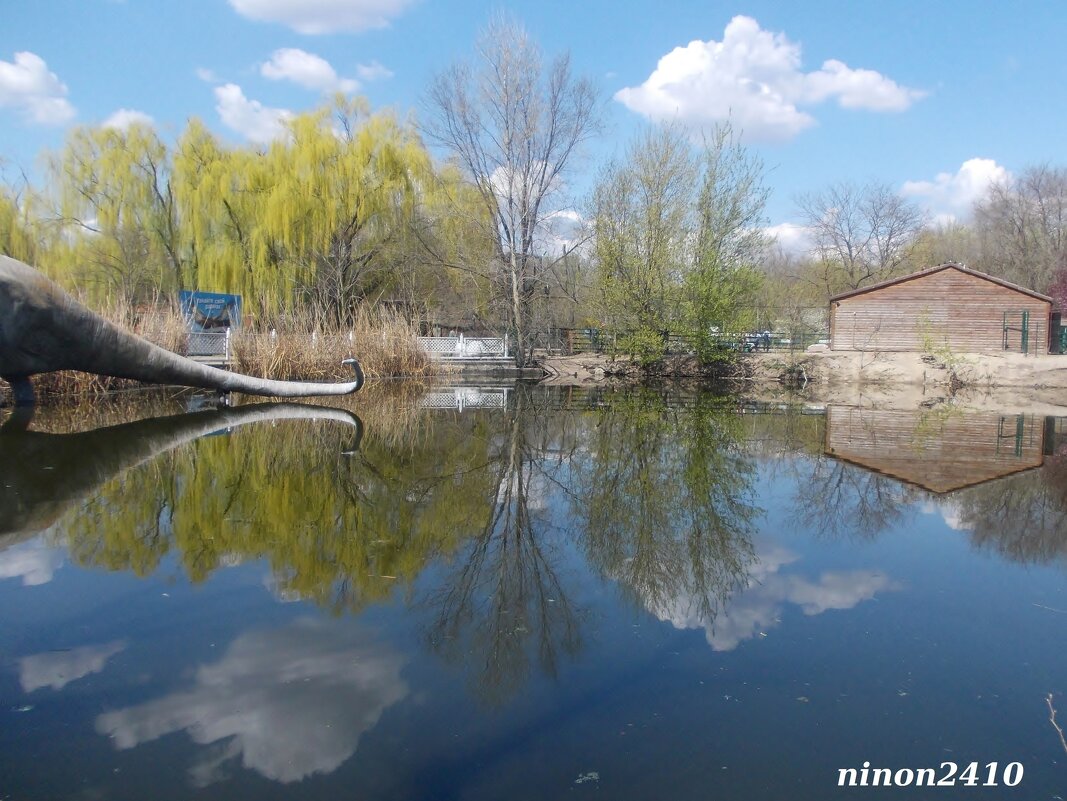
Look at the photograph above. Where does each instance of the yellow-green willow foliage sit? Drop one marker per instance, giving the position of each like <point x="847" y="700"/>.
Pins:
<point x="319" y="217"/>
<point x="113" y="196"/>
<point x="17" y="238"/>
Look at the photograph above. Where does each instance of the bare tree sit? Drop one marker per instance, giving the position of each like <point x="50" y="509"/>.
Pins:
<point x="861" y="233"/>
<point x="1022" y="227"/>
<point x="514" y="126"/>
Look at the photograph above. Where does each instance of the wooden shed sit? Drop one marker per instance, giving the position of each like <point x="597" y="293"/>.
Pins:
<point x="948" y="305"/>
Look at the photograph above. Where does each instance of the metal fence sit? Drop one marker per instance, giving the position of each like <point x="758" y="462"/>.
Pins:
<point x="461" y="347"/>
<point x="208" y="346"/>
<point x="789" y="336"/>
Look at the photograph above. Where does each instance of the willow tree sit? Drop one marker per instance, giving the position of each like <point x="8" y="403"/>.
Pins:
<point x="514" y="126"/>
<point x="313" y="218"/>
<point x="17" y="234"/>
<point x="113" y="198"/>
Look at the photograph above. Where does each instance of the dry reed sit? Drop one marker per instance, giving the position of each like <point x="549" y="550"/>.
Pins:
<point x="385" y="344"/>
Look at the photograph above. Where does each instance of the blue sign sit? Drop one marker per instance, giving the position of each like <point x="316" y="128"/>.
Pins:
<point x="210" y="311"/>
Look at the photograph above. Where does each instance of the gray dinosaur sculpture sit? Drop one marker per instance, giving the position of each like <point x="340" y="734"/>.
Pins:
<point x="42" y="475"/>
<point x="43" y="329"/>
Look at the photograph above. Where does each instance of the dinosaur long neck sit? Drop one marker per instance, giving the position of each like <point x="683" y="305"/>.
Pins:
<point x="108" y="350"/>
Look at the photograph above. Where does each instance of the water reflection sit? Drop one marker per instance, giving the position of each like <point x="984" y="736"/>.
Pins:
<point x="1002" y="478"/>
<point x="43" y="475"/>
<point x="57" y="669"/>
<point x="289" y="702"/>
<point x="503" y="604"/>
<point x="666" y="495"/>
<point x="491" y="547"/>
<point x="35" y="562"/>
<point x="758" y="606"/>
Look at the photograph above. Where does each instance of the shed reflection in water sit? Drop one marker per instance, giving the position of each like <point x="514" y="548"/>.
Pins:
<point x="509" y="546"/>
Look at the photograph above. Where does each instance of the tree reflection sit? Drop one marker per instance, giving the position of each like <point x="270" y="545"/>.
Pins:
<point x="480" y="517"/>
<point x="1021" y="517"/>
<point x="503" y="602"/>
<point x="666" y="500"/>
<point x="841" y="501"/>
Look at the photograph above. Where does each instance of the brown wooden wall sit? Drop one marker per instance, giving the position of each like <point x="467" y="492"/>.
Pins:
<point x="948" y="307"/>
<point x="938" y="450"/>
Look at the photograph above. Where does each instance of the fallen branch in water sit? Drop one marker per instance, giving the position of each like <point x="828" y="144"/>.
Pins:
<point x="1052" y="720"/>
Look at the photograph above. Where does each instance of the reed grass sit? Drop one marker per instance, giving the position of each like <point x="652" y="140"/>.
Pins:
<point x="298" y="348"/>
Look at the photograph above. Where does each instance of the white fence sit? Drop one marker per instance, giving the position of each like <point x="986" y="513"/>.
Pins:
<point x="465" y="398"/>
<point x="461" y="347"/>
<point x="208" y="346"/>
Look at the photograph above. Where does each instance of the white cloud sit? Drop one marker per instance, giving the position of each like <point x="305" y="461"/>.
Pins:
<point x="34" y="562"/>
<point x="323" y="16"/>
<point x="793" y="239"/>
<point x="375" y="71"/>
<point x="307" y="70"/>
<point x="564" y="229"/>
<point x="206" y="75"/>
<point x="295" y="702"/>
<point x="760" y="605"/>
<point x="29" y="87"/>
<point x="754" y="79"/>
<point x="250" y="118"/>
<point x="951" y="196"/>
<point x="57" y="669"/>
<point x="125" y="117"/>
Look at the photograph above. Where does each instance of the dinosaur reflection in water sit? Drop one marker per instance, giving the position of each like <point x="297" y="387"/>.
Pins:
<point x="43" y="475"/>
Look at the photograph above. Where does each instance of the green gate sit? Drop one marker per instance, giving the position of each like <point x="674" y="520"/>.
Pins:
<point x="1023" y="331"/>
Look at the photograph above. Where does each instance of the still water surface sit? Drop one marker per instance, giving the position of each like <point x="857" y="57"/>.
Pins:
<point x="528" y="594"/>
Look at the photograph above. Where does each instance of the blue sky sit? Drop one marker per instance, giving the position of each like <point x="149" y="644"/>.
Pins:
<point x="934" y="98"/>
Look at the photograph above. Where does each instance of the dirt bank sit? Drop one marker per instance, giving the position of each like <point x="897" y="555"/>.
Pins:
<point x="888" y="380"/>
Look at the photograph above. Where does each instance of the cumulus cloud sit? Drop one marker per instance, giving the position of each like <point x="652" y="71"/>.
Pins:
<point x="290" y="702"/>
<point x="793" y="239"/>
<point x="125" y="117"/>
<point x="754" y="78"/>
<point x="323" y="16"/>
<point x="57" y="669"/>
<point x="760" y="605"/>
<point x="565" y="229"/>
<point x="307" y="70"/>
<point x="30" y="88"/>
<point x="34" y="562"/>
<point x="250" y="118"/>
<point x="375" y="71"/>
<point x="950" y="196"/>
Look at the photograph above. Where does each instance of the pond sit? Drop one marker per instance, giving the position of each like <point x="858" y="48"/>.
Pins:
<point x="531" y="593"/>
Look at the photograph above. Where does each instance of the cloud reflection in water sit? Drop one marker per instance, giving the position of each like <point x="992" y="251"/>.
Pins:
<point x="57" y="669"/>
<point x="760" y="604"/>
<point x="294" y="700"/>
